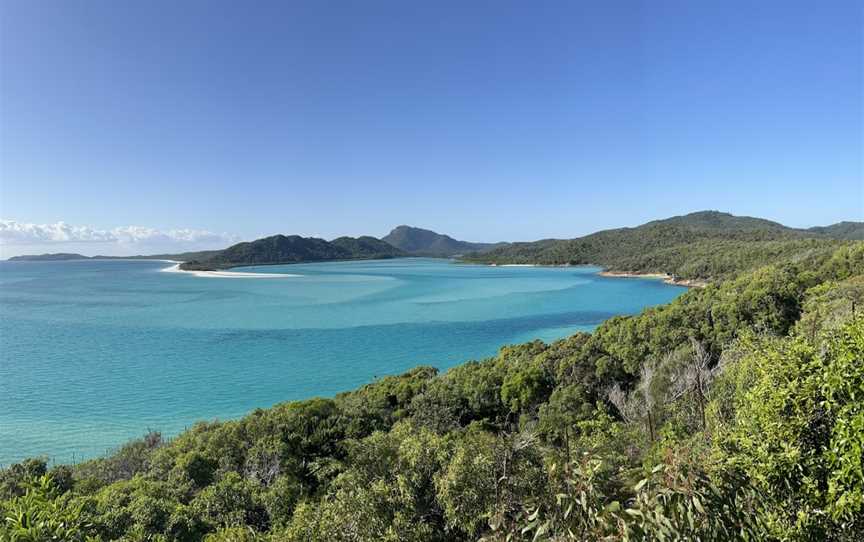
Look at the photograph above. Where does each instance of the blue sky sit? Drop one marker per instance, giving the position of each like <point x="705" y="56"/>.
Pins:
<point x="485" y="120"/>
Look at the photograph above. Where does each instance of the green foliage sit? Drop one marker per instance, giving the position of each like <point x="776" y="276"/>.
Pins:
<point x="139" y="506"/>
<point x="236" y="534"/>
<point x="579" y="511"/>
<point x="842" y="230"/>
<point x="525" y="388"/>
<point x="231" y="502"/>
<point x="130" y="459"/>
<point x="673" y="502"/>
<point x="386" y="494"/>
<point x="798" y="430"/>
<point x="13" y="481"/>
<point x="842" y="386"/>
<point x="280" y="498"/>
<point x="198" y="468"/>
<point x="830" y="304"/>
<point x="486" y="479"/>
<point x="845" y="262"/>
<point x="42" y="514"/>
<point x="376" y="407"/>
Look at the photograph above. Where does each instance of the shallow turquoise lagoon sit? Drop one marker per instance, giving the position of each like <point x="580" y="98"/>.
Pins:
<point x="93" y="353"/>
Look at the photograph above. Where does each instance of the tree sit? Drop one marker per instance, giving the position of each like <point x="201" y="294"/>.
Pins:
<point x="639" y="405"/>
<point x="798" y="431"/>
<point x="695" y="379"/>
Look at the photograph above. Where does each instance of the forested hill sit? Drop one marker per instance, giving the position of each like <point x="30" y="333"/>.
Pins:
<point x="702" y="245"/>
<point x="420" y="242"/>
<point x="53" y="257"/>
<point x="280" y="249"/>
<point x="842" y="230"/>
<point x="732" y="413"/>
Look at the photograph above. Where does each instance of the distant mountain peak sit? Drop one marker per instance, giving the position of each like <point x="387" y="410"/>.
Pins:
<point x="719" y="220"/>
<point x="423" y="242"/>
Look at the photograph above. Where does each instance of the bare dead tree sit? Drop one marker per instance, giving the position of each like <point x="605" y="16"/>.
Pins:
<point x="695" y="378"/>
<point x="263" y="465"/>
<point x="639" y="405"/>
<point x="646" y="379"/>
<point x="622" y="402"/>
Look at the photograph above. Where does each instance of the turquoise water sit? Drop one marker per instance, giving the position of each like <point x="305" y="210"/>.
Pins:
<point x="93" y="353"/>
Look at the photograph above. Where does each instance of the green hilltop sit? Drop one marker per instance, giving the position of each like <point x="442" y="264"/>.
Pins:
<point x="842" y="230"/>
<point x="420" y="242"/>
<point x="698" y="246"/>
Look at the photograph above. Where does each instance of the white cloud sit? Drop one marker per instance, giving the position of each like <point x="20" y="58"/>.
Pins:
<point x="126" y="239"/>
<point x="18" y="233"/>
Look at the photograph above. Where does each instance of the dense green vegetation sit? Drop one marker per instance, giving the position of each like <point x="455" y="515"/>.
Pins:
<point x="842" y="230"/>
<point x="704" y="245"/>
<point x="734" y="412"/>
<point x="280" y="249"/>
<point x="420" y="242"/>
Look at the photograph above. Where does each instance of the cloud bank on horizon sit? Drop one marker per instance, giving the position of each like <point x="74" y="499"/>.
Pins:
<point x="23" y="238"/>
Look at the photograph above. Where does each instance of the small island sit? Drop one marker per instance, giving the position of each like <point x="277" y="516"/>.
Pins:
<point x="282" y="249"/>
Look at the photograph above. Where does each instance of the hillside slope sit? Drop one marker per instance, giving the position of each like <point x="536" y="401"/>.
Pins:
<point x="702" y="245"/>
<point x="841" y="230"/>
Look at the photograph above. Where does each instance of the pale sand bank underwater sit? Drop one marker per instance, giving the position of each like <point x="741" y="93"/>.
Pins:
<point x="228" y="274"/>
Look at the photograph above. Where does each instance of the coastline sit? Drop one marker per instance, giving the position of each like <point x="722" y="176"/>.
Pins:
<point x="227" y="274"/>
<point x="665" y="277"/>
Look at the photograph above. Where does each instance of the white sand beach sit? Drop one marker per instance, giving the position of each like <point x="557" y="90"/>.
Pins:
<point x="229" y="274"/>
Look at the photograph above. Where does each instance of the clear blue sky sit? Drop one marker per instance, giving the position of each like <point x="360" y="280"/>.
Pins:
<point x="485" y="120"/>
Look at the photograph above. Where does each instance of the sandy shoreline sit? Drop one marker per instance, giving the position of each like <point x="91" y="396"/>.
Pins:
<point x="228" y="274"/>
<point x="138" y="260"/>
<point x="668" y="279"/>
